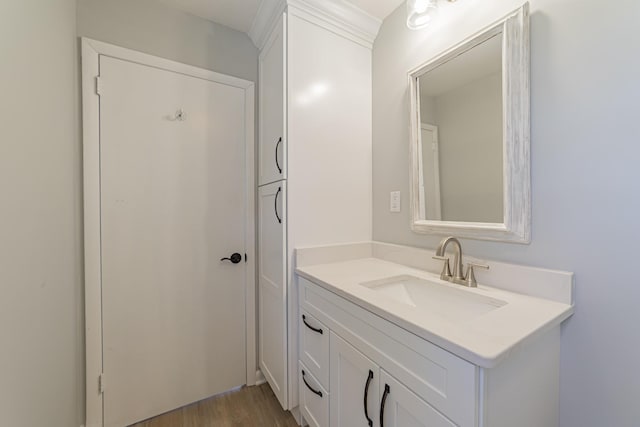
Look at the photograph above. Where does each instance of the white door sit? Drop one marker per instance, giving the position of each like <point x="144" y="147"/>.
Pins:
<point x="400" y="407"/>
<point x="354" y="386"/>
<point x="272" y="146"/>
<point x="272" y="290"/>
<point x="172" y="205"/>
<point x="430" y="173"/>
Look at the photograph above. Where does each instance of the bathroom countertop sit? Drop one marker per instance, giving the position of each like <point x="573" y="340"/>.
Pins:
<point x="484" y="340"/>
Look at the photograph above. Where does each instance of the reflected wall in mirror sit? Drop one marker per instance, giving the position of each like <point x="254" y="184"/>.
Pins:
<point x="470" y="136"/>
<point x="461" y="137"/>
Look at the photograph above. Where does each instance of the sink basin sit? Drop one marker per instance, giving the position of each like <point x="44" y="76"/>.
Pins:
<point x="430" y="296"/>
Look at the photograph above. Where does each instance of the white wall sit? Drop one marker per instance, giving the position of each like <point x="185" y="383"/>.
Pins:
<point x="471" y="154"/>
<point x="41" y="360"/>
<point x="41" y="253"/>
<point x="428" y="113"/>
<point x="151" y="27"/>
<point x="585" y="179"/>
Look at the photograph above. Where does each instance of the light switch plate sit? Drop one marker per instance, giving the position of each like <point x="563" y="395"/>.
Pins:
<point x="394" y="201"/>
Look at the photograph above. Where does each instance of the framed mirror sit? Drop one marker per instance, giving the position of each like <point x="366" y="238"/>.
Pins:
<point x="470" y="127"/>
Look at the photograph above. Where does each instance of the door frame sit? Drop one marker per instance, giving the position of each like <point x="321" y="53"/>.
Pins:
<point x="91" y="52"/>
<point x="435" y="174"/>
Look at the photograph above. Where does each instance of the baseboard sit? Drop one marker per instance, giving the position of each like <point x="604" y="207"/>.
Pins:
<point x="297" y="415"/>
<point x="260" y="379"/>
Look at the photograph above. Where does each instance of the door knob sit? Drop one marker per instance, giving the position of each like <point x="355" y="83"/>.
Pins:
<point x="234" y="258"/>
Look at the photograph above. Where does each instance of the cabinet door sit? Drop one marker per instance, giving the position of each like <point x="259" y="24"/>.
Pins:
<point x="272" y="290"/>
<point x="272" y="145"/>
<point x="353" y="386"/>
<point x="400" y="407"/>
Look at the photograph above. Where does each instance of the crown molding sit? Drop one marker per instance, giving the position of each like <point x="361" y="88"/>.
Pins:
<point x="266" y="18"/>
<point x="338" y="16"/>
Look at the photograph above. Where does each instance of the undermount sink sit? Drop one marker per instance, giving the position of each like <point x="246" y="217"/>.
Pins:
<point x="443" y="300"/>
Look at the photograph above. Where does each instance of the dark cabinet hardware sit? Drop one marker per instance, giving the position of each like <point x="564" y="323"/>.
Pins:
<point x="277" y="163"/>
<point x="387" y="390"/>
<point x="318" y="392"/>
<point x="234" y="258"/>
<point x="366" y="398"/>
<point x="275" y="205"/>
<point x="304" y="320"/>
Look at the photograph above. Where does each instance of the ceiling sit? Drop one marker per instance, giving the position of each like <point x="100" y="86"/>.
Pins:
<point x="239" y="14"/>
<point x="378" y="8"/>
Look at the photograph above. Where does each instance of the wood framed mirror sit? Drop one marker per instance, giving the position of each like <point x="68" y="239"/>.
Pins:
<point x="470" y="136"/>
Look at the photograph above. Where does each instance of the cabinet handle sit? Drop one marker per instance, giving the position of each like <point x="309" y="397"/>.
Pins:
<point x="275" y="205"/>
<point x="277" y="163"/>
<point x="366" y="396"/>
<point x="387" y="390"/>
<point x="318" y="392"/>
<point x="304" y="320"/>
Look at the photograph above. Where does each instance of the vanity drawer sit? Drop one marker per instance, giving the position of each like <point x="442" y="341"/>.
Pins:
<point x="314" y="399"/>
<point x="314" y="347"/>
<point x="444" y="380"/>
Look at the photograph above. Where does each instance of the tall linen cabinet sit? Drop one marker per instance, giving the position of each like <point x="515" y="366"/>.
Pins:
<point x="314" y="157"/>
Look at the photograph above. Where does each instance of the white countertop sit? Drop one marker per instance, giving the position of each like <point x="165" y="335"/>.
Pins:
<point x="484" y="340"/>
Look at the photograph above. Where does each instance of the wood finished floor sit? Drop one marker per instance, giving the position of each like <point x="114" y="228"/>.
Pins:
<point x="249" y="406"/>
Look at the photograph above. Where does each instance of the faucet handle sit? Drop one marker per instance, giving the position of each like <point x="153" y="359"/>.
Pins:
<point x="446" y="271"/>
<point x="470" y="278"/>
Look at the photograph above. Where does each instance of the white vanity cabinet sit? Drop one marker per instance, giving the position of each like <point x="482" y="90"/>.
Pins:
<point x="380" y="372"/>
<point x="354" y="385"/>
<point x="363" y="394"/>
<point x="404" y="408"/>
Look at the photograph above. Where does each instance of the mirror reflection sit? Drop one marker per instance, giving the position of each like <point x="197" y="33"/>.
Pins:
<point x="461" y="137"/>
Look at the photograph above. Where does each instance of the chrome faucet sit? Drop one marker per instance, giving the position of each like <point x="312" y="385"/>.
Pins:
<point x="468" y="279"/>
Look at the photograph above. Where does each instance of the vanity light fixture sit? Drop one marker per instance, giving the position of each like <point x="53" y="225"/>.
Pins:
<point x="420" y="13"/>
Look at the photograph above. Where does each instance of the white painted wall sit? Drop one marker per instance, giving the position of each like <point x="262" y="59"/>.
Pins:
<point x="470" y="154"/>
<point x="428" y="113"/>
<point x="586" y="196"/>
<point x="152" y="27"/>
<point x="41" y="300"/>
<point x="41" y="363"/>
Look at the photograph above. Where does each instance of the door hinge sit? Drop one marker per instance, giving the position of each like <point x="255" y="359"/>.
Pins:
<point x="101" y="383"/>
<point x="98" y="85"/>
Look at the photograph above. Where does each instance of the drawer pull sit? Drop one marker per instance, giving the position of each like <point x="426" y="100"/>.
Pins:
<point x="366" y="398"/>
<point x="318" y="330"/>
<point x="318" y="392"/>
<point x="387" y="390"/>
